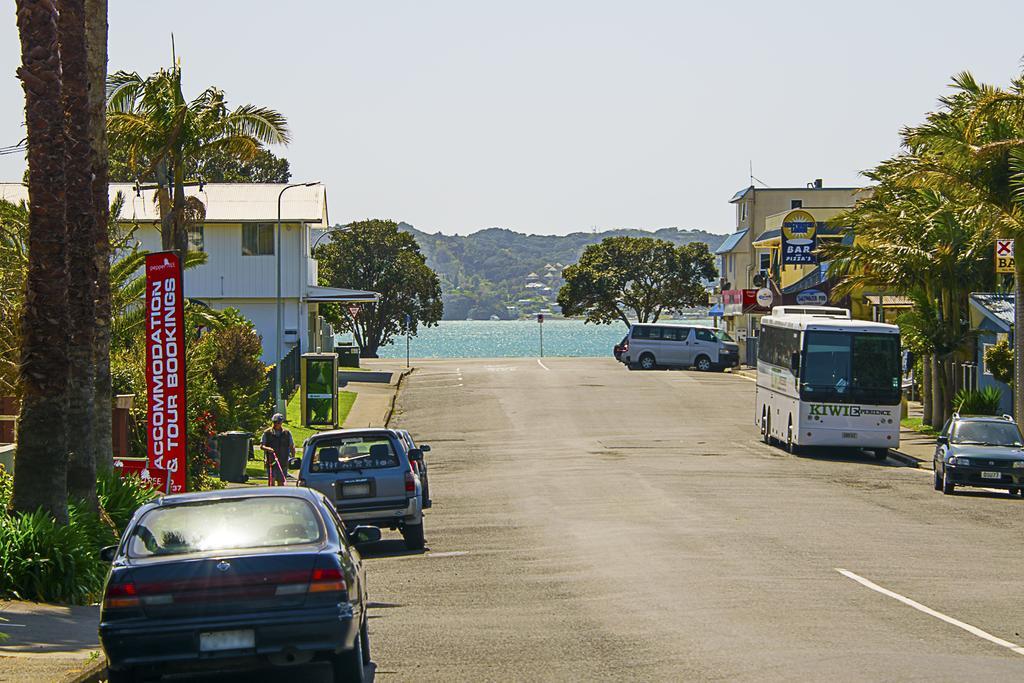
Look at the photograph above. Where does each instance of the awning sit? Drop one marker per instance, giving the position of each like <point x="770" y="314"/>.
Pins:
<point x="717" y="311"/>
<point x="888" y="301"/>
<point x="336" y="295"/>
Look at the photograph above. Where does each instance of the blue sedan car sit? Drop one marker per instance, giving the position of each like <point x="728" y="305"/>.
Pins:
<point x="243" y="578"/>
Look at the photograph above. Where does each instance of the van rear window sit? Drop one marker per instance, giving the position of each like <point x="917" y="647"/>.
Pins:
<point x="353" y="453"/>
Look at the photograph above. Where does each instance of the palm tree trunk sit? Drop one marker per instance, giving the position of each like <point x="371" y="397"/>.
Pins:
<point x="927" y="398"/>
<point x="40" y="476"/>
<point x="81" y="217"/>
<point x="96" y="63"/>
<point x="938" y="398"/>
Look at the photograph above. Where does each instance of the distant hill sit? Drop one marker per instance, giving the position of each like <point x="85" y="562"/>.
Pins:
<point x="486" y="273"/>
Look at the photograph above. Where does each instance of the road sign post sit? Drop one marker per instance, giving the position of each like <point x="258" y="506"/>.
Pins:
<point x="540" y="325"/>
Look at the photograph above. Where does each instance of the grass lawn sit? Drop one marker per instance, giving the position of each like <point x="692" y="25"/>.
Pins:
<point x="293" y="419"/>
<point x="915" y="424"/>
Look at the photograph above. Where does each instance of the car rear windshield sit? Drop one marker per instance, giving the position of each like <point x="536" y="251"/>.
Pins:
<point x="352" y="453"/>
<point x="226" y="524"/>
<point x="987" y="434"/>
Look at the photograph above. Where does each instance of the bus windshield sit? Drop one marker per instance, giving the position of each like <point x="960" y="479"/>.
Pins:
<point x="850" y="367"/>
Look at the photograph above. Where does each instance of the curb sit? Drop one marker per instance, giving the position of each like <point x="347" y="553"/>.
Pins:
<point x="907" y="460"/>
<point x="92" y="673"/>
<point x="402" y="374"/>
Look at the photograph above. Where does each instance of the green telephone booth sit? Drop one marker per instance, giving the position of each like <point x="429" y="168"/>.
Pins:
<point x="319" y="387"/>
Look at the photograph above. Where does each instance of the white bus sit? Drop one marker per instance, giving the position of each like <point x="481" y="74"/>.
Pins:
<point x="826" y="380"/>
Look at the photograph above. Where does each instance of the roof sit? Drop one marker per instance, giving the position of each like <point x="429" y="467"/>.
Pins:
<point x="825" y="322"/>
<point x="225" y="202"/>
<point x="741" y="194"/>
<point x="998" y="308"/>
<point x="730" y="242"/>
<point x="823" y="230"/>
<point x="326" y="295"/>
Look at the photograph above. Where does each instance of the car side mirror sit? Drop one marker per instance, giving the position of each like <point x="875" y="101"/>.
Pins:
<point x="108" y="553"/>
<point x="295" y="463"/>
<point x="365" y="534"/>
<point x="425" y="448"/>
<point x="794" y="362"/>
<point x="942" y="440"/>
<point x="416" y="454"/>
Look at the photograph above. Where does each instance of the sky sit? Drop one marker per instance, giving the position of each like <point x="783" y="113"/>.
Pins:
<point x="555" y="116"/>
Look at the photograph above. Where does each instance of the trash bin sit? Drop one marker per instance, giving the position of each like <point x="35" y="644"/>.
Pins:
<point x="234" y="448"/>
<point x="348" y="355"/>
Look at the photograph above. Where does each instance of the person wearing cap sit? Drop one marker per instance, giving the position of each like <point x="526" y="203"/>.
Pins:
<point x="278" y="446"/>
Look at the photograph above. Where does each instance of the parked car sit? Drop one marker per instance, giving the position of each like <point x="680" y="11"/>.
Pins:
<point x="368" y="474"/>
<point x="979" y="451"/>
<point x="620" y="348"/>
<point x="419" y="466"/>
<point x="235" y="579"/>
<point x="663" y="345"/>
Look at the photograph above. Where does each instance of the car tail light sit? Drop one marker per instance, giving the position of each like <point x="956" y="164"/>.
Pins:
<point x="410" y="483"/>
<point x="121" y="596"/>
<point x="327" y="580"/>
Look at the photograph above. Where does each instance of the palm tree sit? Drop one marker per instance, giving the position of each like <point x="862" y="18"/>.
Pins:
<point x="161" y="136"/>
<point x="40" y="480"/>
<point x="81" y="262"/>
<point x="96" y="63"/>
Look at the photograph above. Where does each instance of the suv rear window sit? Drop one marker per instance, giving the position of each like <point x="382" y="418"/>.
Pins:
<point x="353" y="453"/>
<point x="227" y="524"/>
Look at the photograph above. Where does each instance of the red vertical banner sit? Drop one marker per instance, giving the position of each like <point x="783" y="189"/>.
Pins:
<point x="165" y="372"/>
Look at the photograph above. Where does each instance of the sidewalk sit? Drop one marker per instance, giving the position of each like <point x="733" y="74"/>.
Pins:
<point x="49" y="643"/>
<point x="375" y="400"/>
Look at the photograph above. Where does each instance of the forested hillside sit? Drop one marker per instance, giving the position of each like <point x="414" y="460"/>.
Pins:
<point x="509" y="274"/>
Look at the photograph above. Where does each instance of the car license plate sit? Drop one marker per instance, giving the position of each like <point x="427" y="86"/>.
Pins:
<point x="360" y="489"/>
<point x="227" y="640"/>
<point x="991" y="475"/>
<point x="849" y="435"/>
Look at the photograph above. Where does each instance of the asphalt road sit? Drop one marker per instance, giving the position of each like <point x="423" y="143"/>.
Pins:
<point x="595" y="523"/>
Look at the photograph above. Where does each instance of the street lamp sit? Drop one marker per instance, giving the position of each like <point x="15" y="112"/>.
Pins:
<point x="325" y="233"/>
<point x="279" y="398"/>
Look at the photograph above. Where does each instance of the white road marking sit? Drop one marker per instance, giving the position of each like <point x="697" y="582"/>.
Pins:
<point x="974" y="630"/>
<point x="542" y="365"/>
<point x="450" y="553"/>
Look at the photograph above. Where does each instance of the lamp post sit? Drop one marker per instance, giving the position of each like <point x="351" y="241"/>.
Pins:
<point x="279" y="397"/>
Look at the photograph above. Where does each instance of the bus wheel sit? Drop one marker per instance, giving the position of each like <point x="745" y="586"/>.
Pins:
<point x="766" y="431"/>
<point x="791" y="444"/>
<point x="881" y="454"/>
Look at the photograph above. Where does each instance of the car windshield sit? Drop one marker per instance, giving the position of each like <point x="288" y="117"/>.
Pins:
<point x="723" y="336"/>
<point x="351" y="454"/>
<point x="845" y="367"/>
<point x="987" y="434"/>
<point x="226" y="524"/>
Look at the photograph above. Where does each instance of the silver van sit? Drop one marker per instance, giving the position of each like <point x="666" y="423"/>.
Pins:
<point x="663" y="345"/>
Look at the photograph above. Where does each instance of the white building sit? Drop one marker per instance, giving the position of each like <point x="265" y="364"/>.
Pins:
<point x="238" y="236"/>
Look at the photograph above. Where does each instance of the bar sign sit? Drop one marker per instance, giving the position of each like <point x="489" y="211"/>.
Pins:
<point x="1004" y="256"/>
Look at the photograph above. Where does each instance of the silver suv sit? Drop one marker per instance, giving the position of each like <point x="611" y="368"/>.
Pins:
<point x="369" y="474"/>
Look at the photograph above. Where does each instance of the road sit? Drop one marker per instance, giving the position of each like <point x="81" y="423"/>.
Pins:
<point x="595" y="523"/>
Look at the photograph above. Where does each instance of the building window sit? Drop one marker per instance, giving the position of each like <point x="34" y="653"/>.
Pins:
<point x="984" y="363"/>
<point x="796" y="203"/>
<point x="765" y="260"/>
<point x="743" y="211"/>
<point x="196" y="238"/>
<point x="257" y="239"/>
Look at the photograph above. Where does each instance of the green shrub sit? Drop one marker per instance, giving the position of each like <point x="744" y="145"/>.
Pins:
<point x="45" y="561"/>
<point x="999" y="361"/>
<point x="982" y="402"/>
<point x="120" y="498"/>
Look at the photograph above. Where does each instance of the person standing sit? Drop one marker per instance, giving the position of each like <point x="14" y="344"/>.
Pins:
<point x="278" y="447"/>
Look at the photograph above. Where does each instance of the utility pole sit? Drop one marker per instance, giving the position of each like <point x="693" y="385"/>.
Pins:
<point x="540" y="323"/>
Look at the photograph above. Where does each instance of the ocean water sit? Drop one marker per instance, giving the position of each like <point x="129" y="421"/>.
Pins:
<point x="512" y="339"/>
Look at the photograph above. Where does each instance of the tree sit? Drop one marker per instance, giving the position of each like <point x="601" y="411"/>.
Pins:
<point x="641" y="278"/>
<point x="81" y="243"/>
<point x="161" y="135"/>
<point x="217" y="166"/>
<point x="374" y="255"/>
<point x="40" y="480"/>
<point x="96" y="64"/>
